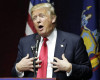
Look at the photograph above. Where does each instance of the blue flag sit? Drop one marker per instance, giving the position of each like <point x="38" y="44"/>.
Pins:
<point x="90" y="36"/>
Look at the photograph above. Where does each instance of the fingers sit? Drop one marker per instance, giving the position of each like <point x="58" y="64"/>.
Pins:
<point x="60" y="65"/>
<point x="31" y="59"/>
<point x="38" y="66"/>
<point x="54" y="67"/>
<point x="30" y="63"/>
<point x="27" y="56"/>
<point x="39" y="61"/>
<point x="54" y="63"/>
<point x="56" y="59"/>
<point x="63" y="57"/>
<point x="31" y="70"/>
<point x="56" y="70"/>
<point x="36" y="58"/>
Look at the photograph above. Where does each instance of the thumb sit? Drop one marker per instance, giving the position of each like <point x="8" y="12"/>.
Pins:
<point x="27" y="56"/>
<point x="63" y="57"/>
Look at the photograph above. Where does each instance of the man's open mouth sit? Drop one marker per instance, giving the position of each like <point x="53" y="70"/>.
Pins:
<point x="40" y="27"/>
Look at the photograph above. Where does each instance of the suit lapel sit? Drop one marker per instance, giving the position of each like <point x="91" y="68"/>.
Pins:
<point x="60" y="47"/>
<point x="32" y="44"/>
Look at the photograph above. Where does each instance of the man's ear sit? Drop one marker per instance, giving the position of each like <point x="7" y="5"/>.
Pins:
<point x="53" y="18"/>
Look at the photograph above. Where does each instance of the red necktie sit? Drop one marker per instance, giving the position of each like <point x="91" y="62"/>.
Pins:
<point x="42" y="72"/>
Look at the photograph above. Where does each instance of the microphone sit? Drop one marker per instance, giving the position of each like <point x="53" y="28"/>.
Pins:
<point x="35" y="52"/>
<point x="38" y="37"/>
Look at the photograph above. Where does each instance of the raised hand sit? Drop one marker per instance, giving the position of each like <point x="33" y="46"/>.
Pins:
<point x="62" y="65"/>
<point x="26" y="64"/>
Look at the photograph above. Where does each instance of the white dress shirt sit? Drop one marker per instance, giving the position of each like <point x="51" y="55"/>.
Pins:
<point x="51" y="49"/>
<point x="51" y="43"/>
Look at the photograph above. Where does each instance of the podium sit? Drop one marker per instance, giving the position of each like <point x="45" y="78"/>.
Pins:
<point x="26" y="79"/>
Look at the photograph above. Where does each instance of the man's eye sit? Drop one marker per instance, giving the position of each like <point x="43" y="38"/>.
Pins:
<point x="34" y="18"/>
<point x="42" y="16"/>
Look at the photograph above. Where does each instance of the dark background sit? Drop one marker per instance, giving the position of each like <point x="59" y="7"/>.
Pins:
<point x="13" y="17"/>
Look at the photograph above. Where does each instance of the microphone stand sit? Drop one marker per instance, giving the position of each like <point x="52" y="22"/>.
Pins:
<point x="34" y="61"/>
<point x="35" y="52"/>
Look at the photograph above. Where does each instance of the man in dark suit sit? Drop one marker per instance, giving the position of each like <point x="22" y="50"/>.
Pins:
<point x="67" y="58"/>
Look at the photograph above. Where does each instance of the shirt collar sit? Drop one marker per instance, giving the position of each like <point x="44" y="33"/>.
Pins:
<point x="52" y="35"/>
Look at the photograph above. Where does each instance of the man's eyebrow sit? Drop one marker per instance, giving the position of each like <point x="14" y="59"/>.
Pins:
<point x="41" y="14"/>
<point x="33" y="16"/>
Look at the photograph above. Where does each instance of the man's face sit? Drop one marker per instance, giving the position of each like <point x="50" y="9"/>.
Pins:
<point x="43" y="21"/>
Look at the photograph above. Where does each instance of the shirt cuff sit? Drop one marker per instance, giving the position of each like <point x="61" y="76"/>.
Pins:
<point x="20" y="74"/>
<point x="68" y="73"/>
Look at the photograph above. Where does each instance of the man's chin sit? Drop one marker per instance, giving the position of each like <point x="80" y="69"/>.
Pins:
<point x="43" y="34"/>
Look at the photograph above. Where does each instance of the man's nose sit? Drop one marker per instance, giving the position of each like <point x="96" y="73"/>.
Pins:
<point x="38" y="20"/>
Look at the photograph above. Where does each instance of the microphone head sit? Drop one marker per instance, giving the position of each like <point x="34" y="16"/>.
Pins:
<point x="38" y="37"/>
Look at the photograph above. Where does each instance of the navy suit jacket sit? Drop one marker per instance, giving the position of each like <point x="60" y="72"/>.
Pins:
<point x="73" y="49"/>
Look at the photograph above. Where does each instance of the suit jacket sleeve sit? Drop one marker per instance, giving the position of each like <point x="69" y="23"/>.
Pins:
<point x="81" y="67"/>
<point x="19" y="57"/>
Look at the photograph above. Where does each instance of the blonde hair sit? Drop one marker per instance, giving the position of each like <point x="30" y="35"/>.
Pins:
<point x="43" y="5"/>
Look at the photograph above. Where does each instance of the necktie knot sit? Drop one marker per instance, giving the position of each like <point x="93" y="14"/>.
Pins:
<point x="45" y="39"/>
